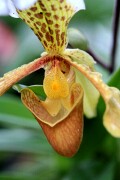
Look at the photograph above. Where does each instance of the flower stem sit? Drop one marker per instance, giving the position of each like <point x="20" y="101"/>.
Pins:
<point x="115" y="36"/>
<point x="110" y="68"/>
<point x="97" y="59"/>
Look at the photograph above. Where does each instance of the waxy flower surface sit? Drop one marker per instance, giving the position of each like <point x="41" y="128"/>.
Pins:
<point x="71" y="84"/>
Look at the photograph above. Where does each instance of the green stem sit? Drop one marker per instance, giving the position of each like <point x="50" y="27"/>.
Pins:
<point x="115" y="35"/>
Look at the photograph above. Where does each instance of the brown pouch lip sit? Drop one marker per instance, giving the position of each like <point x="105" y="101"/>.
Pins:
<point x="66" y="136"/>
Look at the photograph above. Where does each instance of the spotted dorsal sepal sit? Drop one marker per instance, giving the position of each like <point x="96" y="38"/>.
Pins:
<point x="49" y="19"/>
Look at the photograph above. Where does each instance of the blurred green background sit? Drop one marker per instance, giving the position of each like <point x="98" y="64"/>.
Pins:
<point x="24" y="150"/>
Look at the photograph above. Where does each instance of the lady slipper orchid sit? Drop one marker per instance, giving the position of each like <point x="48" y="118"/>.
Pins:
<point x="71" y="83"/>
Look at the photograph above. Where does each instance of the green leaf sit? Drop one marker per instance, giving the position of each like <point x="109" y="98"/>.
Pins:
<point x="37" y="89"/>
<point x="24" y="140"/>
<point x="115" y="79"/>
<point x="12" y="112"/>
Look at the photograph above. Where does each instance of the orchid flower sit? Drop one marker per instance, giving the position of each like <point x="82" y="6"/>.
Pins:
<point x="71" y="84"/>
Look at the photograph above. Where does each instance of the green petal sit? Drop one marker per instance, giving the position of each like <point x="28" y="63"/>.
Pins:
<point x="91" y="94"/>
<point x="49" y="20"/>
<point x="110" y="95"/>
<point x="80" y="56"/>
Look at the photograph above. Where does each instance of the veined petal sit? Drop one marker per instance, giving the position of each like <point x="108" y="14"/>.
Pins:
<point x="42" y="110"/>
<point x="16" y="75"/>
<point x="110" y="95"/>
<point x="49" y="20"/>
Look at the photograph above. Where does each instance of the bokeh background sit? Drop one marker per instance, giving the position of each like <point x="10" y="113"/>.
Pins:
<point x="24" y="150"/>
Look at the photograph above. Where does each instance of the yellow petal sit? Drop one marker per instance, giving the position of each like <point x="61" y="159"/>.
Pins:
<point x="110" y="95"/>
<point x="53" y="106"/>
<point x="49" y="20"/>
<point x="16" y="75"/>
<point x="69" y="101"/>
<point x="42" y="110"/>
<point x="55" y="84"/>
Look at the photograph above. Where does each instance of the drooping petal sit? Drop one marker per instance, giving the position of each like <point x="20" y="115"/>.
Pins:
<point x="91" y="94"/>
<point x="112" y="113"/>
<point x="110" y="95"/>
<point x="45" y="113"/>
<point x="49" y="20"/>
<point x="16" y="75"/>
<point x="66" y="136"/>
